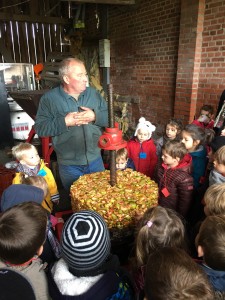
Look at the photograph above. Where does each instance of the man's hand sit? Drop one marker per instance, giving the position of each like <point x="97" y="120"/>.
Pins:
<point x="80" y="118"/>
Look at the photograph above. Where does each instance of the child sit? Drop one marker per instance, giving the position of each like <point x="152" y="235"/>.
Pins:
<point x="40" y="182"/>
<point x="20" y="193"/>
<point x="141" y="148"/>
<point x="172" y="132"/>
<point x="30" y="164"/>
<point x="159" y="227"/>
<point x="205" y="119"/>
<point x="174" y="178"/>
<point x="22" y="235"/>
<point x="193" y="138"/>
<point x="122" y="160"/>
<point x="172" y="274"/>
<point x="210" y="244"/>
<point x="87" y="269"/>
<point x="217" y="174"/>
<point x="214" y="200"/>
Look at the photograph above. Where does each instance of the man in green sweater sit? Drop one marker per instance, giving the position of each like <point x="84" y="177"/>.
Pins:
<point x="73" y="115"/>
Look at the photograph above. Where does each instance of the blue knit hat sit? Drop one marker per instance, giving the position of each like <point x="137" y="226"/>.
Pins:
<point x="85" y="242"/>
<point x="19" y="193"/>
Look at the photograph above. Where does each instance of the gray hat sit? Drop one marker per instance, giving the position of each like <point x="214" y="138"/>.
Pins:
<point x="85" y="242"/>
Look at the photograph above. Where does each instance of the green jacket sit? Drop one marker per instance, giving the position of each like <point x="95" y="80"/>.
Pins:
<point x="77" y="145"/>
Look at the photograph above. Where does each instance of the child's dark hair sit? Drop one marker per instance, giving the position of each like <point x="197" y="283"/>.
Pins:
<point x="211" y="238"/>
<point x="175" y="149"/>
<point x="22" y="232"/>
<point x="159" y="227"/>
<point x="197" y="133"/>
<point x="208" y="108"/>
<point x="177" y="123"/>
<point x="172" y="274"/>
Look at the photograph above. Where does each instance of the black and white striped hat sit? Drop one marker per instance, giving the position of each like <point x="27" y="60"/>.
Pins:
<point x="85" y="242"/>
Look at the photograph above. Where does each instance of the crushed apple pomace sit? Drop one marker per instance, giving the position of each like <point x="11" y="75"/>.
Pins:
<point x="118" y="205"/>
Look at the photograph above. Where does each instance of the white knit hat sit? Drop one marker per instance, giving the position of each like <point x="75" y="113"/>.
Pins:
<point x="145" y="125"/>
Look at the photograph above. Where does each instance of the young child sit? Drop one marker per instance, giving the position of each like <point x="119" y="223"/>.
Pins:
<point x="22" y="235"/>
<point x="217" y="174"/>
<point x="172" y="132"/>
<point x="172" y="274"/>
<point x="214" y="200"/>
<point x="40" y="182"/>
<point x="205" y="120"/>
<point x="174" y="178"/>
<point x="194" y="138"/>
<point x="159" y="227"/>
<point x="122" y="160"/>
<point x="210" y="244"/>
<point x="30" y="164"/>
<point x="141" y="148"/>
<point x="20" y="193"/>
<point x="87" y="269"/>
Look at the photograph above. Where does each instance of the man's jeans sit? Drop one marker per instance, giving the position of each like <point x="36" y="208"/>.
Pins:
<point x="69" y="174"/>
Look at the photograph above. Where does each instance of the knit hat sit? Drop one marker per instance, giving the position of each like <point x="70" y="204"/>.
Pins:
<point x="19" y="193"/>
<point x="145" y="125"/>
<point x="85" y="242"/>
<point x="14" y="285"/>
<point x="217" y="142"/>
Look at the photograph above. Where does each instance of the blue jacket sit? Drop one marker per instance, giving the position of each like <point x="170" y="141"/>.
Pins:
<point x="199" y="163"/>
<point x="76" y="145"/>
<point x="217" y="278"/>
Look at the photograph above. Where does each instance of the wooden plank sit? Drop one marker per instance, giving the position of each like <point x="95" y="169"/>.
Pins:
<point x="33" y="19"/>
<point x="118" y="2"/>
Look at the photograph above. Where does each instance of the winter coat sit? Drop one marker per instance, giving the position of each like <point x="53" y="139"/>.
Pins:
<point x="217" y="278"/>
<point x="215" y="177"/>
<point x="143" y="155"/>
<point x="199" y="164"/>
<point x="209" y="125"/>
<point x="53" y="195"/>
<point x="35" y="274"/>
<point x="63" y="285"/>
<point x="176" y="186"/>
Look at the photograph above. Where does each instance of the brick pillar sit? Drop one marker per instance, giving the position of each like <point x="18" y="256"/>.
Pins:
<point x="189" y="59"/>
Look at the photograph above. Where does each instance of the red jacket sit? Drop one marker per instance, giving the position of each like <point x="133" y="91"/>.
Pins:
<point x="179" y="184"/>
<point x="209" y="125"/>
<point x="143" y="155"/>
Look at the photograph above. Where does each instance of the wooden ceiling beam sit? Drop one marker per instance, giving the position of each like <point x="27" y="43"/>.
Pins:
<point x="117" y="2"/>
<point x="33" y="19"/>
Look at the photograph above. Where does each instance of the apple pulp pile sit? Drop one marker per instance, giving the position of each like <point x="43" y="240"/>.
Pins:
<point x="118" y="205"/>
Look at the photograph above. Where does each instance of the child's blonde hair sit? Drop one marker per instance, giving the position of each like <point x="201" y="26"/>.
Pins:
<point x="159" y="227"/>
<point x="175" y="149"/>
<point x="122" y="153"/>
<point x="19" y="150"/>
<point x="37" y="181"/>
<point x="211" y="238"/>
<point x="214" y="199"/>
<point x="219" y="155"/>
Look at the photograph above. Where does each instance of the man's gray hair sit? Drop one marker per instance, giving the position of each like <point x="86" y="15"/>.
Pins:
<point x="64" y="67"/>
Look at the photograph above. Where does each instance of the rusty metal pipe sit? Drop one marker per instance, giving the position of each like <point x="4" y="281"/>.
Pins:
<point x="112" y="153"/>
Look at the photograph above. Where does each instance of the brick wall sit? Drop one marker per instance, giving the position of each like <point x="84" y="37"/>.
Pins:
<point x="212" y="71"/>
<point x="144" y="46"/>
<point x="169" y="55"/>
